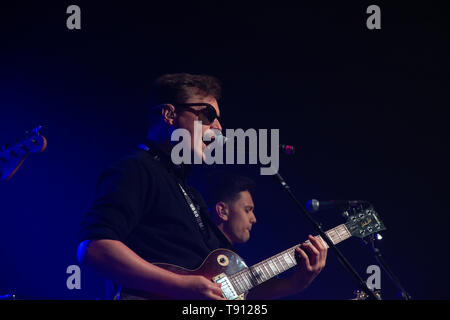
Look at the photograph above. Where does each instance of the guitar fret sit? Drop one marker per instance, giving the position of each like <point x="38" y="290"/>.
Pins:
<point x="262" y="272"/>
<point x="332" y="234"/>
<point x="280" y="264"/>
<point x="339" y="235"/>
<point x="237" y="285"/>
<point x="283" y="263"/>
<point x="288" y="260"/>
<point x="336" y="236"/>
<point x="268" y="270"/>
<point x="244" y="282"/>
<point x="291" y="261"/>
<point x="344" y="232"/>
<point x="292" y="255"/>
<point x="241" y="283"/>
<point x="277" y="264"/>
<point x="347" y="232"/>
<point x="248" y="281"/>
<point x="272" y="267"/>
<point x="255" y="274"/>
<point x="274" y="263"/>
<point x="259" y="275"/>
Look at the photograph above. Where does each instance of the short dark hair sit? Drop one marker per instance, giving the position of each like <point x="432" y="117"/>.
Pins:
<point x="177" y="88"/>
<point x="226" y="187"/>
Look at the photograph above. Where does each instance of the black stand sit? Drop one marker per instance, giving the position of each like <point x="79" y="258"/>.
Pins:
<point x="331" y="245"/>
<point x="405" y="295"/>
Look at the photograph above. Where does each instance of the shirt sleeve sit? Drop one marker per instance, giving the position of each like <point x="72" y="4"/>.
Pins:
<point x="119" y="202"/>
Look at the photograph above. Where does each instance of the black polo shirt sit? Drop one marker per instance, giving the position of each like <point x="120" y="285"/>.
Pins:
<point x="139" y="202"/>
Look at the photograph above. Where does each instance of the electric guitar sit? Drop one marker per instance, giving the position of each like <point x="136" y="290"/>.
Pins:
<point x="12" y="158"/>
<point x="229" y="269"/>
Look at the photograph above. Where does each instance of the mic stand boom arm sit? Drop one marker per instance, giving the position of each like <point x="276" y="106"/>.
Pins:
<point x="324" y="236"/>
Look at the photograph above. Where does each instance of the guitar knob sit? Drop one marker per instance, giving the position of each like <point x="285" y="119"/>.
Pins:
<point x="223" y="260"/>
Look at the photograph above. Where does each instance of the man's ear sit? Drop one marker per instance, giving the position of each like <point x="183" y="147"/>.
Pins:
<point x="168" y="114"/>
<point x="222" y="211"/>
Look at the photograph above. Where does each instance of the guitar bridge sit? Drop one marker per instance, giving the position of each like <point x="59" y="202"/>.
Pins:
<point x="227" y="288"/>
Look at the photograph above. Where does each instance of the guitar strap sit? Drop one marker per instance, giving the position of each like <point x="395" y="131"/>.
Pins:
<point x="194" y="208"/>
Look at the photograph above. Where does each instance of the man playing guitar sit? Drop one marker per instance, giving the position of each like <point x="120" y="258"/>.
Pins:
<point x="144" y="213"/>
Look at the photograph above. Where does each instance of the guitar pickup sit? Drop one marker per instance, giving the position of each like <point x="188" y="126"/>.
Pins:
<point x="227" y="288"/>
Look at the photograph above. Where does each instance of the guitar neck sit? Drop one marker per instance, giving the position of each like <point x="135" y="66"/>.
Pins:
<point x="279" y="263"/>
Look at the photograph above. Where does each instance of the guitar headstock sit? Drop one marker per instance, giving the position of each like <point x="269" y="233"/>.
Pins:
<point x="11" y="158"/>
<point x="364" y="222"/>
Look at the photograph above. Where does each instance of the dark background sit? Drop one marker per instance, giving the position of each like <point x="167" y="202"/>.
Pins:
<point x="366" y="110"/>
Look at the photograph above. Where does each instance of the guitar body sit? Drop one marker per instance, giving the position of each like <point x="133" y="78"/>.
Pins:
<point x="217" y="266"/>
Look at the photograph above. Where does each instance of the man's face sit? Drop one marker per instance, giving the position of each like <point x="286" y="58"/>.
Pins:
<point x="187" y="118"/>
<point x="240" y="218"/>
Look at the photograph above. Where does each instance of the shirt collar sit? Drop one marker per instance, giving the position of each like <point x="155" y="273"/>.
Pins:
<point x="180" y="170"/>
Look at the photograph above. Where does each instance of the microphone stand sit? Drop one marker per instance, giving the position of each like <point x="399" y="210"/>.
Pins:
<point x="377" y="254"/>
<point x="324" y="236"/>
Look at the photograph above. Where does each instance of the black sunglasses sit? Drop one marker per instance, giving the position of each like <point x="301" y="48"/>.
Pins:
<point x="209" y="112"/>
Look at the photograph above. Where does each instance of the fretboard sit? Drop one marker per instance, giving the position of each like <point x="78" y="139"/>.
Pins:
<point x="273" y="266"/>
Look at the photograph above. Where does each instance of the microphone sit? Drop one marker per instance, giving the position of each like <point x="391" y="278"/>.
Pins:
<point x="315" y="205"/>
<point x="284" y="148"/>
<point x="287" y="149"/>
